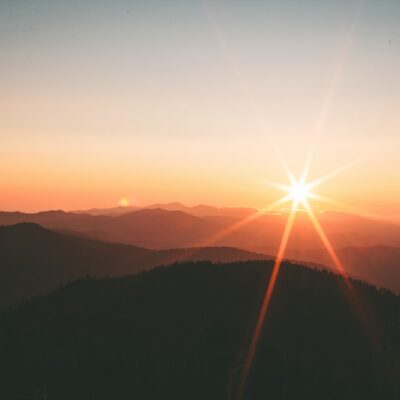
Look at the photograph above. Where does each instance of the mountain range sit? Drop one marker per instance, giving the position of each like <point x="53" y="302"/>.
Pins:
<point x="369" y="249"/>
<point x="35" y="260"/>
<point x="163" y="228"/>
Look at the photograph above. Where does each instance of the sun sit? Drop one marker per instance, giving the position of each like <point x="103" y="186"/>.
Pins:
<point x="124" y="202"/>
<point x="299" y="192"/>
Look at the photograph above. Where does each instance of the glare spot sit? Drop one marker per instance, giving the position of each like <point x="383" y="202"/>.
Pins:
<point x="124" y="202"/>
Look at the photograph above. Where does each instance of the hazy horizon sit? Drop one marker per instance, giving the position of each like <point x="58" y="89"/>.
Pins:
<point x="191" y="101"/>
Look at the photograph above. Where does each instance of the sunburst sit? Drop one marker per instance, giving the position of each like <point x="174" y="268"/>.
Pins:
<point x="298" y="192"/>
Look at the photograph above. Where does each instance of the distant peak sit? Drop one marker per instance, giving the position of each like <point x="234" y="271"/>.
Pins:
<point x="52" y="212"/>
<point x="24" y="227"/>
<point x="157" y="210"/>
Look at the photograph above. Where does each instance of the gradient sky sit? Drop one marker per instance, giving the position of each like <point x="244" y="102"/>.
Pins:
<point x="190" y="100"/>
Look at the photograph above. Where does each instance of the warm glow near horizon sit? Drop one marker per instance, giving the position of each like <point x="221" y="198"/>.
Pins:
<point x="107" y="105"/>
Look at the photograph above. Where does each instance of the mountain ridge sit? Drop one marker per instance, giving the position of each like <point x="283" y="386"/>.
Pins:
<point x="182" y="332"/>
<point x="35" y="260"/>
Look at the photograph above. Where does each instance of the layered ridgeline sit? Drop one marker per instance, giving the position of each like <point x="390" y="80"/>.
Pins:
<point x="368" y="248"/>
<point x="181" y="332"/>
<point x="35" y="260"/>
<point x="161" y="228"/>
<point x="379" y="265"/>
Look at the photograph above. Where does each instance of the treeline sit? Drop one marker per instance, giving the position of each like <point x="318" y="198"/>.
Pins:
<point x="182" y="332"/>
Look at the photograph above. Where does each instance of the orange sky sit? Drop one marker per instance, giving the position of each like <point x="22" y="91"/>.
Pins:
<point x="106" y="104"/>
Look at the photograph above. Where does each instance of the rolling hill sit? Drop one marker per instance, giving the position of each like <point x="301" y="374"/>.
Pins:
<point x="365" y="246"/>
<point x="182" y="332"/>
<point x="35" y="260"/>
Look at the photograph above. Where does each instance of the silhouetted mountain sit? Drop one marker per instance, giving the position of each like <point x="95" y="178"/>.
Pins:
<point x="154" y="228"/>
<point x="34" y="260"/>
<point x="182" y="332"/>
<point x="200" y="210"/>
<point x="203" y="210"/>
<point x="115" y="211"/>
<point x="161" y="229"/>
<point x="158" y="228"/>
<point x="379" y="265"/>
<point x="57" y="219"/>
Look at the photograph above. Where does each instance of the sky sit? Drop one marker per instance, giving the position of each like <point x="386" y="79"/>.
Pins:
<point x="197" y="101"/>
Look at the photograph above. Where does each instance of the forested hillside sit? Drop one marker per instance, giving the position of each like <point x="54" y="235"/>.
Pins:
<point x="181" y="332"/>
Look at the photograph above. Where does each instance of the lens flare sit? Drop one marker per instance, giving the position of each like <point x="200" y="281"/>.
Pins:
<point x="267" y="299"/>
<point x="123" y="202"/>
<point x="299" y="193"/>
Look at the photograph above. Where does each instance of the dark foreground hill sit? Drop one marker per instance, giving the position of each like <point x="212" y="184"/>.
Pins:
<point x="181" y="332"/>
<point x="35" y="260"/>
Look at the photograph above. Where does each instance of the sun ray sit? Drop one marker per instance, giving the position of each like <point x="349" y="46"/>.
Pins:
<point x="237" y="71"/>
<point x="299" y="192"/>
<point x="325" y="241"/>
<point x="245" y="221"/>
<point x="318" y="197"/>
<point x="220" y="235"/>
<point x="341" y="206"/>
<point x="267" y="298"/>
<point x="284" y="188"/>
<point x="338" y="70"/>
<point x="317" y="182"/>
<point x="359" y="307"/>
<point x="285" y="167"/>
